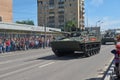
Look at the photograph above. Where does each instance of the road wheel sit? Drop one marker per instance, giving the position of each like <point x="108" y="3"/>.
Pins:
<point x="87" y="54"/>
<point x="58" y="53"/>
<point x="91" y="52"/>
<point x="94" y="52"/>
<point x="70" y="52"/>
<point x="103" y="43"/>
<point x="97" y="50"/>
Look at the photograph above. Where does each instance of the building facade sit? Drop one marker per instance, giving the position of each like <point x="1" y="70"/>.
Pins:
<point x="56" y="13"/>
<point x="6" y="10"/>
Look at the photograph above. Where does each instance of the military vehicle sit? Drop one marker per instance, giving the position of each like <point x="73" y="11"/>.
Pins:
<point x="87" y="42"/>
<point x="108" y="37"/>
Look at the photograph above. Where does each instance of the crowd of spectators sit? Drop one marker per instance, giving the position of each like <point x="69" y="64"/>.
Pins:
<point x="24" y="43"/>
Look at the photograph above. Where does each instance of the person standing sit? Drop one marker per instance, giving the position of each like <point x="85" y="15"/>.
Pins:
<point x="7" y="45"/>
<point x="1" y="46"/>
<point x="116" y="60"/>
<point x="4" y="45"/>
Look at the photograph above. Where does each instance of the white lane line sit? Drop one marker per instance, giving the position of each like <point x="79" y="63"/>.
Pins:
<point x="23" y="69"/>
<point x="46" y="65"/>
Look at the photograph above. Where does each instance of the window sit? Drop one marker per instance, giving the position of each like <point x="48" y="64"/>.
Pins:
<point x="61" y="0"/>
<point x="61" y="12"/>
<point x="41" y="2"/>
<point x="51" y="12"/>
<point x="51" y="2"/>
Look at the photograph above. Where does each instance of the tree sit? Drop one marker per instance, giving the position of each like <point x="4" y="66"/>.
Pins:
<point x="70" y="26"/>
<point x="29" y="22"/>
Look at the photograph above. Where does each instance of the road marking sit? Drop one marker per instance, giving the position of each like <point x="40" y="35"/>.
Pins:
<point x="46" y="65"/>
<point x="23" y="69"/>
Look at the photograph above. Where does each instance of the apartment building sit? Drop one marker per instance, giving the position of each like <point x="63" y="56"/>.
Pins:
<point x="6" y="10"/>
<point x="56" y="13"/>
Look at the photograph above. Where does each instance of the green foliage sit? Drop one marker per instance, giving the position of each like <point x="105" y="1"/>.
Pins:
<point x="70" y="25"/>
<point x="28" y="22"/>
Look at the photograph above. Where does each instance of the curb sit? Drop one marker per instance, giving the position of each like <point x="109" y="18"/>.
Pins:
<point x="109" y="74"/>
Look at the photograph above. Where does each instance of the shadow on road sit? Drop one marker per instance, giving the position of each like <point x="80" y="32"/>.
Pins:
<point x="94" y="79"/>
<point x="67" y="57"/>
<point x="117" y="78"/>
<point x="108" y="44"/>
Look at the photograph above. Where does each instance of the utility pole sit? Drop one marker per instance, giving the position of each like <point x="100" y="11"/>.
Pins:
<point x="45" y="22"/>
<point x="99" y="21"/>
<point x="44" y="6"/>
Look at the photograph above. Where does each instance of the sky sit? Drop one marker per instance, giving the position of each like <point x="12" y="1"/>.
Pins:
<point x="25" y="10"/>
<point x="105" y="10"/>
<point x="104" y="13"/>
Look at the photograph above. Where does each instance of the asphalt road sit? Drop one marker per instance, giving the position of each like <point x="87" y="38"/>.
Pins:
<point x="42" y="64"/>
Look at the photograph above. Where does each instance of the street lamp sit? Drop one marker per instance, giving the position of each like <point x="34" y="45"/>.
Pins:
<point x="44" y="6"/>
<point x="98" y="22"/>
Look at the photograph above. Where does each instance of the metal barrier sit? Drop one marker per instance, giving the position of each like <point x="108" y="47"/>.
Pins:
<point x="109" y="74"/>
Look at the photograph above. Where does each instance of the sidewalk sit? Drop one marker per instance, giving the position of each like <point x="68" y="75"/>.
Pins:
<point x="24" y="51"/>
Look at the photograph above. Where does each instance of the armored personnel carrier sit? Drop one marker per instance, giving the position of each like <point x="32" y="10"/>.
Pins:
<point x="108" y="37"/>
<point x="87" y="42"/>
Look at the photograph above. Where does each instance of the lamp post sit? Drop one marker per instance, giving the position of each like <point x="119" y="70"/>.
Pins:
<point x="100" y="24"/>
<point x="45" y="23"/>
<point x="64" y="22"/>
<point x="44" y="6"/>
<point x="99" y="21"/>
